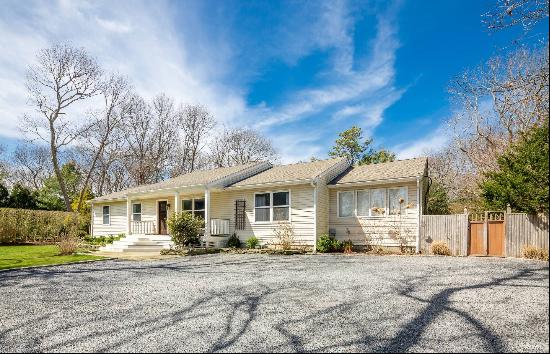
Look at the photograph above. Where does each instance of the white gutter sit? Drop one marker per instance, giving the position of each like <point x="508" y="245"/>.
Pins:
<point x="314" y="185"/>
<point x="419" y="207"/>
<point x="372" y="182"/>
<point x="92" y="217"/>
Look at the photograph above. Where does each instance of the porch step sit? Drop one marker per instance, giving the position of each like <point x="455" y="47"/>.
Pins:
<point x="139" y="243"/>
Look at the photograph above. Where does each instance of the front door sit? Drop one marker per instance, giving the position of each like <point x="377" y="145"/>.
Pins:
<point x="163" y="213"/>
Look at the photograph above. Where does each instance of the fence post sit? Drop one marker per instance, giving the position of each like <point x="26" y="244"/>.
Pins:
<point x="508" y="209"/>
<point x="486" y="232"/>
<point x="466" y="233"/>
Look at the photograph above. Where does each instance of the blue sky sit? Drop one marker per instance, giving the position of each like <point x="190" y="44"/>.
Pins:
<point x="299" y="71"/>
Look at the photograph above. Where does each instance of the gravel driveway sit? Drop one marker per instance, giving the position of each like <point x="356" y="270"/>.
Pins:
<point x="278" y="303"/>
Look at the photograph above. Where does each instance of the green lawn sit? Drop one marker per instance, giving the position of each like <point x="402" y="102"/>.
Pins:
<point x="25" y="256"/>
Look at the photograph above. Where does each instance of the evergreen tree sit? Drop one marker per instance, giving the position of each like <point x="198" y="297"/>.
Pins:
<point x="22" y="198"/>
<point x="522" y="177"/>
<point x="4" y="196"/>
<point x="357" y="150"/>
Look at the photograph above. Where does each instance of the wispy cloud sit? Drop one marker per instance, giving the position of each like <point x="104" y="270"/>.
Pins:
<point x="191" y="61"/>
<point x="431" y="142"/>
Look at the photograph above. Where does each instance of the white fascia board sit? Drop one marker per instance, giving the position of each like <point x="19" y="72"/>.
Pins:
<point x="374" y="182"/>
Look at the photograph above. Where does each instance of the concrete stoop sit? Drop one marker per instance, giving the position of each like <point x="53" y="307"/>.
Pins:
<point x="139" y="243"/>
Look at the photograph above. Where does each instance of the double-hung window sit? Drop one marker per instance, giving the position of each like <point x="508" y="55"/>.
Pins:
<point x="345" y="204"/>
<point x="195" y="206"/>
<point x="272" y="206"/>
<point x="262" y="207"/>
<point x="397" y="200"/>
<point x="378" y="202"/>
<point x="363" y="203"/>
<point x="106" y="215"/>
<point x="136" y="212"/>
<point x="281" y="206"/>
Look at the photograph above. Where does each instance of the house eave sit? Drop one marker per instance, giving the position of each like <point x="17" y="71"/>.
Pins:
<point x="374" y="182"/>
<point x="270" y="184"/>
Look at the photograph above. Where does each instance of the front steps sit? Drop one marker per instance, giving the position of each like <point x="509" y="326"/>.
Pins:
<point x="139" y="243"/>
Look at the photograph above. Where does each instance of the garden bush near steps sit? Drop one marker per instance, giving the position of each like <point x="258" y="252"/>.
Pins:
<point x="233" y="241"/>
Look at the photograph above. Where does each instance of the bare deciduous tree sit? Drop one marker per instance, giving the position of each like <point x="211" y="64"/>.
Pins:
<point x="115" y="92"/>
<point x="195" y="122"/>
<point x="241" y="146"/>
<point x="31" y="165"/>
<point x="509" y="13"/>
<point x="149" y="135"/>
<point x="497" y="103"/>
<point x="63" y="76"/>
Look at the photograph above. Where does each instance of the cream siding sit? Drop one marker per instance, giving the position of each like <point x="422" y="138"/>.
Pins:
<point x="117" y="223"/>
<point x="322" y="209"/>
<point x="301" y="213"/>
<point x="376" y="227"/>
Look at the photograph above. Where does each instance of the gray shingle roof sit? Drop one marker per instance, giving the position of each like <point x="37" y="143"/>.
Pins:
<point x="202" y="177"/>
<point x="383" y="171"/>
<point x="297" y="172"/>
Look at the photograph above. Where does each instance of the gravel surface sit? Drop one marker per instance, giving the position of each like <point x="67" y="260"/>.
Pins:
<point x="263" y="303"/>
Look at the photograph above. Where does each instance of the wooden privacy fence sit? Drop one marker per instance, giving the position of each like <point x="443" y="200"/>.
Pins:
<point x="450" y="229"/>
<point x="489" y="233"/>
<point x="523" y="230"/>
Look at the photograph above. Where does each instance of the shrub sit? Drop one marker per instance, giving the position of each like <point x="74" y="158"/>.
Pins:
<point x="184" y="229"/>
<point x="440" y="248"/>
<point x="233" y="241"/>
<point x="102" y="240"/>
<point x="533" y="252"/>
<point x="348" y="246"/>
<point x="327" y="244"/>
<point x="35" y="226"/>
<point x="284" y="235"/>
<point x="252" y="242"/>
<point x="68" y="245"/>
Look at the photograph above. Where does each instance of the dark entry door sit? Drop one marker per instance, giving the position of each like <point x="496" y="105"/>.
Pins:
<point x="163" y="213"/>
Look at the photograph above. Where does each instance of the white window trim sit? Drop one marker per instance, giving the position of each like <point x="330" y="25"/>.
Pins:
<point x="405" y="203"/>
<point x="103" y="215"/>
<point x="353" y="212"/>
<point x="193" y="205"/>
<point x="270" y="207"/>
<point x="140" y="213"/>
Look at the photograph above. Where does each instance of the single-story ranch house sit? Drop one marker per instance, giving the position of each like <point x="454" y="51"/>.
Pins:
<point x="370" y="202"/>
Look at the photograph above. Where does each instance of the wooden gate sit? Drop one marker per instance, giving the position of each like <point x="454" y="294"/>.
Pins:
<point x="486" y="234"/>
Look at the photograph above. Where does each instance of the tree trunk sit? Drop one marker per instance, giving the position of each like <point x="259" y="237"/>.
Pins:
<point x="56" y="168"/>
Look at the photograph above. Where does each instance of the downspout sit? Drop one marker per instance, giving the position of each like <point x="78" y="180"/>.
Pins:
<point x="92" y="219"/>
<point x="419" y="207"/>
<point x="314" y="185"/>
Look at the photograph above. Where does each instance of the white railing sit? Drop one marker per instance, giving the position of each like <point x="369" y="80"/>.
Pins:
<point x="144" y="227"/>
<point x="219" y="227"/>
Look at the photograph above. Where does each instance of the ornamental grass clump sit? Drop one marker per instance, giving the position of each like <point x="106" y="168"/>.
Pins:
<point x="68" y="245"/>
<point x="252" y="242"/>
<point x="440" y="248"/>
<point x="533" y="252"/>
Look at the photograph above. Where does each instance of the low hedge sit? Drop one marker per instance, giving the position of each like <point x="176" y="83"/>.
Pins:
<point x="39" y="226"/>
